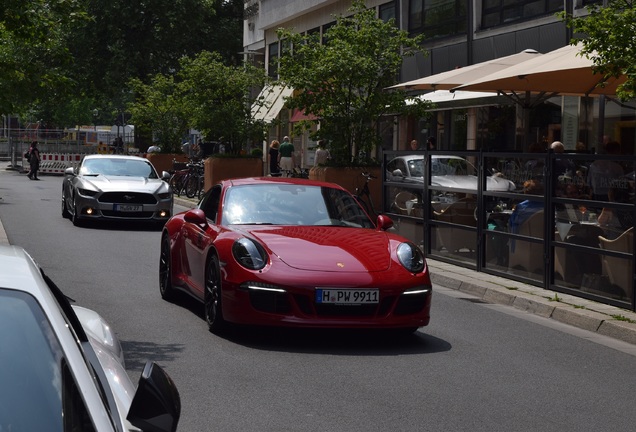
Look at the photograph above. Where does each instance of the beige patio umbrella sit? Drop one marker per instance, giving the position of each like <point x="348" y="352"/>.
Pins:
<point x="564" y="71"/>
<point x="455" y="77"/>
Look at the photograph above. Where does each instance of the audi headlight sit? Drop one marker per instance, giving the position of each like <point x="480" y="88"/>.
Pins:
<point x="86" y="192"/>
<point x="411" y="257"/>
<point x="249" y="254"/>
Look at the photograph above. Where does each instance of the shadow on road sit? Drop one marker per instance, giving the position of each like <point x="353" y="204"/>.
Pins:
<point x="137" y="353"/>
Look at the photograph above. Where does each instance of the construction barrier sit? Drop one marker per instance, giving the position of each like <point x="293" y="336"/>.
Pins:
<point x="56" y="163"/>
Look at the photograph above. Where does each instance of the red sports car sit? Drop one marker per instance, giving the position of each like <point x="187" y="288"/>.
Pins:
<point x="293" y="252"/>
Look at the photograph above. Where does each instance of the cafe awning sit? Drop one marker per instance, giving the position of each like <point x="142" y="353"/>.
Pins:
<point x="455" y="77"/>
<point x="270" y="101"/>
<point x="565" y="71"/>
<point x="444" y="99"/>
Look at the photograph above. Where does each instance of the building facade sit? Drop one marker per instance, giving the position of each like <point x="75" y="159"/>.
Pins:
<point x="558" y="248"/>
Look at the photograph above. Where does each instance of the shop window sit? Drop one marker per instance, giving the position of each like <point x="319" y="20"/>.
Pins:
<point x="437" y="18"/>
<point x="498" y="12"/>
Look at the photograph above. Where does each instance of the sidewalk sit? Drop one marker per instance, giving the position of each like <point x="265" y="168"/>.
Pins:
<point x="603" y="319"/>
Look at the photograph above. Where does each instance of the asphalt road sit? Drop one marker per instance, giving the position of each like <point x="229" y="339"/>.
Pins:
<point x="476" y="367"/>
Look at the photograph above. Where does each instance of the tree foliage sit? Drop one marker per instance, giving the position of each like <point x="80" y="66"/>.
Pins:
<point x="159" y="106"/>
<point x="608" y="35"/>
<point x="206" y="95"/>
<point x="61" y="59"/>
<point x="34" y="58"/>
<point x="343" y="79"/>
<point x="218" y="99"/>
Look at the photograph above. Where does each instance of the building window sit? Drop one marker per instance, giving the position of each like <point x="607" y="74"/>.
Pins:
<point x="388" y="11"/>
<point x="272" y="71"/>
<point x="497" y="12"/>
<point x="437" y="18"/>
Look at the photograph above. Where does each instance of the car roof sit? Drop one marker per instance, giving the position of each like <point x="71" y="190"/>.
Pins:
<point x="278" y="180"/>
<point x="19" y="271"/>
<point x="113" y="156"/>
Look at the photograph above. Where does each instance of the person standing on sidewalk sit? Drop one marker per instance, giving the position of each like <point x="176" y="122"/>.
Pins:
<point x="34" y="161"/>
<point x="286" y="156"/>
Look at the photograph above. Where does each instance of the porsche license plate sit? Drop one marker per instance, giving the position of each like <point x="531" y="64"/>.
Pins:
<point x="127" y="207"/>
<point x="347" y="296"/>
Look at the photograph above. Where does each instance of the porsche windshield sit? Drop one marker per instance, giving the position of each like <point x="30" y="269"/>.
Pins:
<point x="289" y="204"/>
<point x="118" y="167"/>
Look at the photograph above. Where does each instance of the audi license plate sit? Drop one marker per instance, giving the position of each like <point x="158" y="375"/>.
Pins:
<point x="347" y="296"/>
<point x="127" y="207"/>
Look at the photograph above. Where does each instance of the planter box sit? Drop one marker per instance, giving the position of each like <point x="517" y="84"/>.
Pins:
<point x="223" y="168"/>
<point x="163" y="161"/>
<point x="350" y="178"/>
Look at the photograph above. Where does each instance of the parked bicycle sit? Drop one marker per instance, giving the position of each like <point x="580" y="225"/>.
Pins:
<point x="187" y="178"/>
<point x="177" y="179"/>
<point x="363" y="194"/>
<point x="194" y="180"/>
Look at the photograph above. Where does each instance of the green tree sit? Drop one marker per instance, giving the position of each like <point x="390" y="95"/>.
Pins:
<point x="206" y="95"/>
<point x="608" y="35"/>
<point x="160" y="107"/>
<point x="218" y="99"/>
<point x="34" y="59"/>
<point x="342" y="80"/>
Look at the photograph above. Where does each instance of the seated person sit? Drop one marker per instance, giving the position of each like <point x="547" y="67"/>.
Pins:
<point x="522" y="211"/>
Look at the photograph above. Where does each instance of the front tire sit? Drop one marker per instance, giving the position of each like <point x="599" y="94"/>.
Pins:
<point x="165" y="270"/>
<point x="65" y="212"/>
<point x="75" y="216"/>
<point x="212" y="296"/>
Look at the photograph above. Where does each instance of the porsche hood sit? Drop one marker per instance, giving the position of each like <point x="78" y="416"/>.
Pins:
<point x="328" y="249"/>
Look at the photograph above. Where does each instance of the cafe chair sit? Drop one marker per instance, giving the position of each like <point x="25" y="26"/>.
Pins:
<point x="460" y="212"/>
<point x="619" y="270"/>
<point x="524" y="255"/>
<point x="400" y="202"/>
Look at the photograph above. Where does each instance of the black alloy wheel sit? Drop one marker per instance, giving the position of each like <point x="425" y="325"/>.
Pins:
<point x="212" y="296"/>
<point x="165" y="270"/>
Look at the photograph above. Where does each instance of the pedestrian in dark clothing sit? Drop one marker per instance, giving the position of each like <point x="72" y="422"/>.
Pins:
<point x="34" y="161"/>
<point x="274" y="169"/>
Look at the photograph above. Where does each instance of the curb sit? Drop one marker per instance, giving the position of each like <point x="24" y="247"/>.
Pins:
<point x="578" y="312"/>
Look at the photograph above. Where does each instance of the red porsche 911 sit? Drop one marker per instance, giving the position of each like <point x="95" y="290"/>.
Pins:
<point x="293" y="252"/>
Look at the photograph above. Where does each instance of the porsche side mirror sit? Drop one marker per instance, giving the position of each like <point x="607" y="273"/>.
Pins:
<point x="156" y="406"/>
<point x="195" y="216"/>
<point x="383" y="223"/>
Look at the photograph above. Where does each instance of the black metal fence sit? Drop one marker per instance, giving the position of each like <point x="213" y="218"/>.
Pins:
<point x="559" y="221"/>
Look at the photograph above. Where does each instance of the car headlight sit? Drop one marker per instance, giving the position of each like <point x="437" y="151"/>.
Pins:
<point x="249" y="254"/>
<point x="86" y="192"/>
<point x="411" y="257"/>
<point x="164" y="196"/>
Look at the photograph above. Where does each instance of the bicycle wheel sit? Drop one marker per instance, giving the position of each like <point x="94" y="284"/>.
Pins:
<point x="176" y="183"/>
<point x="192" y="186"/>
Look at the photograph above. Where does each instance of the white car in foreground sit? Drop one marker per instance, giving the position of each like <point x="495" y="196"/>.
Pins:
<point x="61" y="366"/>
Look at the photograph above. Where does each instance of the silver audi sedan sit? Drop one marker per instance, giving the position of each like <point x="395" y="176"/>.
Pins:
<point x="116" y="187"/>
<point x="61" y="366"/>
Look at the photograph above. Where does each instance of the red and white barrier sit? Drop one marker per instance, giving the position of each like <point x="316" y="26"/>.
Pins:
<point x="56" y="163"/>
